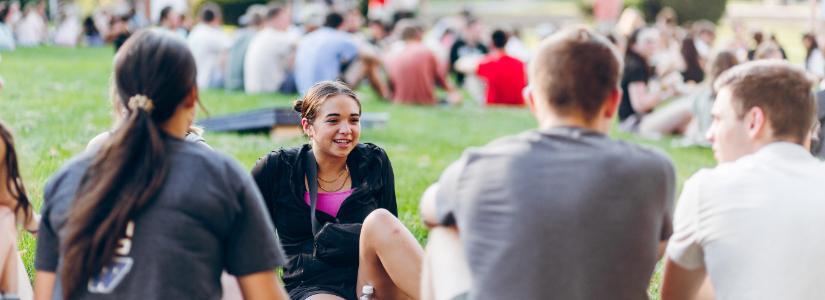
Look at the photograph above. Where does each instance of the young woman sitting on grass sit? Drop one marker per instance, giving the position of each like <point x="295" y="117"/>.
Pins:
<point x="149" y="215"/>
<point x="352" y="238"/>
<point x="15" y="209"/>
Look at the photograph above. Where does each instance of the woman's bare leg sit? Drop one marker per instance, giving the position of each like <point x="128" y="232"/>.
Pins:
<point x="390" y="258"/>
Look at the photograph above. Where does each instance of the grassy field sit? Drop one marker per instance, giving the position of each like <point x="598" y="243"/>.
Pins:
<point x="56" y="100"/>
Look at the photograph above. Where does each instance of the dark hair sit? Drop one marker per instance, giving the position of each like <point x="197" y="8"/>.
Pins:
<point x="210" y="12"/>
<point x="780" y="89"/>
<point x="4" y="12"/>
<point x="500" y="38"/>
<point x="273" y="11"/>
<point x="309" y="105"/>
<point x="89" y="27"/>
<point x="128" y="171"/>
<point x="575" y="70"/>
<point x="164" y="13"/>
<point x="693" y="71"/>
<point x="722" y="62"/>
<point x="631" y="53"/>
<point x="758" y="38"/>
<point x="410" y="29"/>
<point x="333" y="20"/>
<point x="14" y="183"/>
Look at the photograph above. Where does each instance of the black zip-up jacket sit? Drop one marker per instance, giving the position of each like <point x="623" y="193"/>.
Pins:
<point x="280" y="176"/>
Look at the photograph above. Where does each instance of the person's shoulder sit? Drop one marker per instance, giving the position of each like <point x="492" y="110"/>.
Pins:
<point x="205" y="157"/>
<point x="370" y="151"/>
<point x="279" y="157"/>
<point x="512" y="60"/>
<point x="73" y="168"/>
<point x="638" y="157"/>
<point x="507" y="146"/>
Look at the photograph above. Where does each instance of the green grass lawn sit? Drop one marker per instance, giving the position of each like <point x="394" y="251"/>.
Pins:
<point x="55" y="100"/>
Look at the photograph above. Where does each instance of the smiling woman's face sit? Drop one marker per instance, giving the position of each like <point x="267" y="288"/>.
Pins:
<point x="336" y="128"/>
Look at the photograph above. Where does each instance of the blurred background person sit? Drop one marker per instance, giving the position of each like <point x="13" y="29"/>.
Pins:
<point x="209" y="45"/>
<point x="268" y="65"/>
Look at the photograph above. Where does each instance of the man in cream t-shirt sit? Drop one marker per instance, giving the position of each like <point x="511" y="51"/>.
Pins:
<point x="754" y="223"/>
<point x="271" y="53"/>
<point x="209" y="45"/>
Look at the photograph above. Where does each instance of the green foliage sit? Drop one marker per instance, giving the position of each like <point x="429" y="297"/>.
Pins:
<point x="686" y="10"/>
<point x="694" y="10"/>
<point x="232" y="9"/>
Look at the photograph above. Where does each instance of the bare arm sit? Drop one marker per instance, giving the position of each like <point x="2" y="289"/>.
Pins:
<point x="8" y="256"/>
<point x="641" y="97"/>
<point x="44" y="285"/>
<point x="427" y="207"/>
<point x="262" y="285"/>
<point x="467" y="64"/>
<point x="681" y="283"/>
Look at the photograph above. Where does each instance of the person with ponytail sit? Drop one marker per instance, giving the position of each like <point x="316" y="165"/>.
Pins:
<point x="333" y="204"/>
<point x="149" y="215"/>
<point x="15" y="208"/>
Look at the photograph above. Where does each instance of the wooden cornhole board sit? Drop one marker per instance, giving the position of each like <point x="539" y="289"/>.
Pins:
<point x="280" y="122"/>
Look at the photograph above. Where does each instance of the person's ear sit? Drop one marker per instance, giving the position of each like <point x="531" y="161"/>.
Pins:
<point x="527" y="93"/>
<point x="192" y="99"/>
<point x="756" y="122"/>
<point x="307" y="127"/>
<point x="612" y="103"/>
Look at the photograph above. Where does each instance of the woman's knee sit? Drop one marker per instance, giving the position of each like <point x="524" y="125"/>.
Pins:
<point x="381" y="223"/>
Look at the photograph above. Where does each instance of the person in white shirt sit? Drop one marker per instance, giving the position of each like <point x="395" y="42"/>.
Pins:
<point x="271" y="53"/>
<point x="209" y="45"/>
<point x="31" y="30"/>
<point x="753" y="224"/>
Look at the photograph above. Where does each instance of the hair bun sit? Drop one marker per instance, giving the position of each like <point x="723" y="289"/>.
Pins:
<point x="299" y="107"/>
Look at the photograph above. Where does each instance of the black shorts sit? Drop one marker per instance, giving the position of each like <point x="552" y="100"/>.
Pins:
<point x="302" y="292"/>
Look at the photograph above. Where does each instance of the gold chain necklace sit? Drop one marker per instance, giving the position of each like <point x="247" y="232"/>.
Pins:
<point x="345" y="169"/>
<point x="335" y="190"/>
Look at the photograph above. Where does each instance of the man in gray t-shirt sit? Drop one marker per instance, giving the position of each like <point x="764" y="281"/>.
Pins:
<point x="562" y="212"/>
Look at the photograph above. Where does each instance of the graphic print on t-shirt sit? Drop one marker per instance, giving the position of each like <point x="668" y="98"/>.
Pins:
<point x="111" y="275"/>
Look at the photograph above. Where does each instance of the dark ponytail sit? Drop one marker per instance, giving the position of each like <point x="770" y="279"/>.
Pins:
<point x="154" y="73"/>
<point x="14" y="183"/>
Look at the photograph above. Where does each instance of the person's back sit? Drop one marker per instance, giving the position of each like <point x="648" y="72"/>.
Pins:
<point x="124" y="221"/>
<point x="209" y="44"/>
<point x="321" y="54"/>
<point x="564" y="210"/>
<point x="504" y="75"/>
<point x="267" y="63"/>
<point x="505" y="78"/>
<point x="413" y="72"/>
<point x="237" y="55"/>
<point x="561" y="212"/>
<point x="196" y="224"/>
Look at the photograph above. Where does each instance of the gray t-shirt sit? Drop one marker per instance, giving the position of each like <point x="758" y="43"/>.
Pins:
<point x="563" y="213"/>
<point x="208" y="217"/>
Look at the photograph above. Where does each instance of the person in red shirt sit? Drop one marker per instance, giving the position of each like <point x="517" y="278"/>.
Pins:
<point x="504" y="75"/>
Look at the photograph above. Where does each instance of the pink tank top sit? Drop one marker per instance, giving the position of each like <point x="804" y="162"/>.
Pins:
<point x="329" y="203"/>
